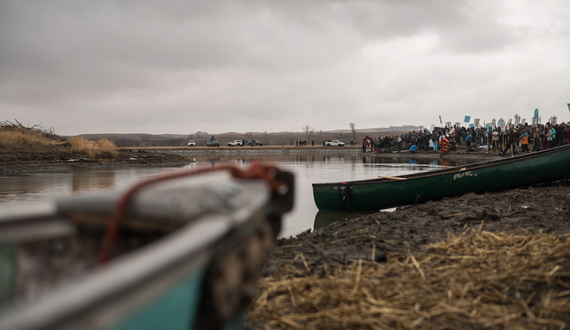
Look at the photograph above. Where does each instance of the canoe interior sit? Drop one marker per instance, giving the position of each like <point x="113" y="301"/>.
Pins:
<point x="37" y="267"/>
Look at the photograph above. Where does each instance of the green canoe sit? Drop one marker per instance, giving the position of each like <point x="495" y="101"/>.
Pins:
<point x="187" y="256"/>
<point x="393" y="149"/>
<point x="380" y="193"/>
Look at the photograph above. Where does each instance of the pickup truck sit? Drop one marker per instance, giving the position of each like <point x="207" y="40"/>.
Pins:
<point x="235" y="143"/>
<point x="334" y="143"/>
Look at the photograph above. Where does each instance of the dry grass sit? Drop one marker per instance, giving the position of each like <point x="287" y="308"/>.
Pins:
<point x="477" y="280"/>
<point x="94" y="149"/>
<point x="18" y="135"/>
<point x="20" y="139"/>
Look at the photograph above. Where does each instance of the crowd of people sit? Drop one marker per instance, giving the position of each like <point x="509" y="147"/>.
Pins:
<point x="498" y="140"/>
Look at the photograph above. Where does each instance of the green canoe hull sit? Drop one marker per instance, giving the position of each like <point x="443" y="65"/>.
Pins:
<point x="376" y="194"/>
<point x="394" y="149"/>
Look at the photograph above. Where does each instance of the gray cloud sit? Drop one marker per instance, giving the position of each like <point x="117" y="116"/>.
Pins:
<point x="180" y="66"/>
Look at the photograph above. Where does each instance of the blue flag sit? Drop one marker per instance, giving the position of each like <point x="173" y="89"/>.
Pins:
<point x="467" y="119"/>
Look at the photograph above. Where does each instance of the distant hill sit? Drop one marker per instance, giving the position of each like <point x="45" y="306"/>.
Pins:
<point x="274" y="138"/>
<point x="406" y="128"/>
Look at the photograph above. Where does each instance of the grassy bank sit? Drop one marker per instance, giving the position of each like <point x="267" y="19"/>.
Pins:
<point x="16" y="135"/>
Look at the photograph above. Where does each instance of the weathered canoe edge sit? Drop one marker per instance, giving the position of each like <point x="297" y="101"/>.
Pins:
<point x="159" y="285"/>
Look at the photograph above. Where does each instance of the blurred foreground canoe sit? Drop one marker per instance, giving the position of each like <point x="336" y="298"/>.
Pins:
<point x="181" y="251"/>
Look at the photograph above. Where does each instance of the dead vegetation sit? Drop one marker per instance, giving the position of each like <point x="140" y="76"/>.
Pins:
<point x="16" y="135"/>
<point x="94" y="149"/>
<point x="477" y="280"/>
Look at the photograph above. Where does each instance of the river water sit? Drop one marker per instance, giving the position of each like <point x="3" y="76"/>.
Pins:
<point x="23" y="190"/>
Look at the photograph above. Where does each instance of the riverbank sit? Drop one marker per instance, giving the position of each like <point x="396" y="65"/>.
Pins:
<point x="460" y="153"/>
<point x="305" y="276"/>
<point x="15" y="160"/>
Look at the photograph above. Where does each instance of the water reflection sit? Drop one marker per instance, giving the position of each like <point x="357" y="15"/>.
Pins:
<point x="308" y="169"/>
<point x="91" y="180"/>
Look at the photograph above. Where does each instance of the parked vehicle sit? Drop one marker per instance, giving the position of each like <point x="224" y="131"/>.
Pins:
<point x="334" y="143"/>
<point x="235" y="143"/>
<point x="254" y="143"/>
<point x="191" y="143"/>
<point x="212" y="143"/>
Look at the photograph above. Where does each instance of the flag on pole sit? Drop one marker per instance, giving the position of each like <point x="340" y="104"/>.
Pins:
<point x="568" y="106"/>
<point x="467" y="119"/>
<point x="440" y="120"/>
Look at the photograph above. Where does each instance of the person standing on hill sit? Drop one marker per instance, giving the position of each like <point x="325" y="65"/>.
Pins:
<point x="524" y="141"/>
<point x="547" y="136"/>
<point x="513" y="141"/>
<point x="468" y="139"/>
<point x="363" y="145"/>
<point x="537" y="137"/>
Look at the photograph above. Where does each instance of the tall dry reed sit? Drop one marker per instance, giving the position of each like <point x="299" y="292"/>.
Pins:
<point x="94" y="149"/>
<point x="22" y="139"/>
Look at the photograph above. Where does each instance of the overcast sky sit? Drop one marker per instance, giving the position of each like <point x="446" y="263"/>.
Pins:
<point x="217" y="66"/>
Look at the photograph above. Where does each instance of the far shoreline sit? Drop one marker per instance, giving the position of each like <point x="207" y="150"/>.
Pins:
<point x="460" y="153"/>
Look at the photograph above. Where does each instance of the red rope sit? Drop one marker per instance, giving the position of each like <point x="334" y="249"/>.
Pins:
<point x="256" y="171"/>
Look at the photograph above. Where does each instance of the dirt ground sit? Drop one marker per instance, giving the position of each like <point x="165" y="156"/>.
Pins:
<point x="56" y="158"/>
<point x="411" y="229"/>
<point x="314" y="281"/>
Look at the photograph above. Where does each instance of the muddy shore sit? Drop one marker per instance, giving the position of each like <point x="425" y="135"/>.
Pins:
<point x="411" y="229"/>
<point x="50" y="159"/>
<point x="311" y="280"/>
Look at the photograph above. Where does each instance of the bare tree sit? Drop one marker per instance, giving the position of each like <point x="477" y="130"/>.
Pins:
<point x="265" y="137"/>
<point x="353" y="130"/>
<point x="249" y="135"/>
<point x="309" y="131"/>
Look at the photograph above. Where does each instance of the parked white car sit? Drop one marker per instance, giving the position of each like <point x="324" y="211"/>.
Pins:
<point x="334" y="143"/>
<point x="191" y="143"/>
<point x="235" y="143"/>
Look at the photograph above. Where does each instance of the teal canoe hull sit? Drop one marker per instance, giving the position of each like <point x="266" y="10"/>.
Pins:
<point x="376" y="194"/>
<point x="177" y="262"/>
